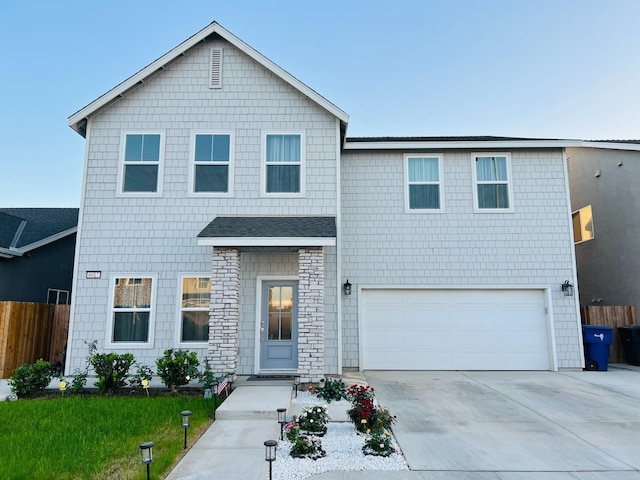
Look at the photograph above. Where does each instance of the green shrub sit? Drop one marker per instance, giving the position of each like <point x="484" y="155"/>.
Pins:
<point x="378" y="443"/>
<point x="79" y="381"/>
<point x="112" y="370"/>
<point x="334" y="389"/>
<point x="177" y="367"/>
<point x="207" y="378"/>
<point x="143" y="372"/>
<point x="29" y="380"/>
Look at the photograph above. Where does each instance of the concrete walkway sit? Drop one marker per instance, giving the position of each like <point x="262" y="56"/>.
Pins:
<point x="457" y="426"/>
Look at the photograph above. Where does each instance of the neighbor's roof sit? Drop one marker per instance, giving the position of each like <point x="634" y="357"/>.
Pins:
<point x="25" y="229"/>
<point x="78" y="120"/>
<point x="249" y="231"/>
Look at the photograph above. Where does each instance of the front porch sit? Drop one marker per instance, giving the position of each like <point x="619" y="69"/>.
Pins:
<point x="287" y="309"/>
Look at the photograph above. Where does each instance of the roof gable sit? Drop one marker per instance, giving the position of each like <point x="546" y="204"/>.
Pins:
<point x="78" y="120"/>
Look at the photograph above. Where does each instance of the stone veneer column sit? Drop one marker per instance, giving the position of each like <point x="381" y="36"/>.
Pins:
<point x="224" y="311"/>
<point x="311" y="314"/>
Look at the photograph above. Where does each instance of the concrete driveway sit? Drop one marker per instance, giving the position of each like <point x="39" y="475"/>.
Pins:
<point x="516" y="425"/>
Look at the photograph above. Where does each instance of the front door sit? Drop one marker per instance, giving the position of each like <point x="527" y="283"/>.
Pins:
<point x="279" y="326"/>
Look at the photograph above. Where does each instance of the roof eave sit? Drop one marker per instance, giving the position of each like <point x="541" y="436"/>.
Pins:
<point x="77" y="121"/>
<point x="452" y="145"/>
<point x="266" y="241"/>
<point x="47" y="240"/>
<point x="10" y="252"/>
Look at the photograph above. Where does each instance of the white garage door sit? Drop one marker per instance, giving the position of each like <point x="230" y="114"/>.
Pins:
<point x="454" y="330"/>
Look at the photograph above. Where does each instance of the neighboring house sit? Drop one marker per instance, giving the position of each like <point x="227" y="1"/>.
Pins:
<point x="36" y="254"/>
<point x="605" y="199"/>
<point x="225" y="211"/>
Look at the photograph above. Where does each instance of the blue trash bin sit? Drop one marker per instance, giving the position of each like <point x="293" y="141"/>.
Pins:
<point x="596" y="346"/>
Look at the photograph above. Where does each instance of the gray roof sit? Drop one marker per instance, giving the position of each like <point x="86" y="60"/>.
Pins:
<point x="467" y="138"/>
<point x="270" y="227"/>
<point x="37" y="224"/>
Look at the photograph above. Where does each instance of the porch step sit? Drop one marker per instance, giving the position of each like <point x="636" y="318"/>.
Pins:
<point x="247" y="401"/>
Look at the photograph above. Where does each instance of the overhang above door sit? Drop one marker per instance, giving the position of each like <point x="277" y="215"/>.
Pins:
<point x="269" y="231"/>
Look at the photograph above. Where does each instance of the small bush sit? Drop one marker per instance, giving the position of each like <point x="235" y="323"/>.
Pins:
<point x="207" y="378"/>
<point x="314" y="419"/>
<point x="112" y="370"/>
<point x="177" y="367"/>
<point x="332" y="390"/>
<point x="29" y="380"/>
<point x="79" y="381"/>
<point x="378" y="443"/>
<point x="143" y="373"/>
<point x="305" y="446"/>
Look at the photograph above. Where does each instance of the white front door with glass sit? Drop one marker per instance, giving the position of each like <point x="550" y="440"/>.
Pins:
<point x="279" y="326"/>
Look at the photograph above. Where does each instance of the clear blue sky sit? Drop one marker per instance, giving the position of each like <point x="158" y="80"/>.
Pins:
<point x="536" y="68"/>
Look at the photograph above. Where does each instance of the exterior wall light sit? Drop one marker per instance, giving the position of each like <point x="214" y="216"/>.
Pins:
<point x="146" y="450"/>
<point x="282" y="419"/>
<point x="346" y="288"/>
<point x="186" y="422"/>
<point x="567" y="289"/>
<point x="270" y="453"/>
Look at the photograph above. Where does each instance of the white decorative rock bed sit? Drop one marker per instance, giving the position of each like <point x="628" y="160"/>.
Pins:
<point x="342" y="443"/>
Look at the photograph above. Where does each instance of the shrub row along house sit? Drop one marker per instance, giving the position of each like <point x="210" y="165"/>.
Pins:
<point x="225" y="211"/>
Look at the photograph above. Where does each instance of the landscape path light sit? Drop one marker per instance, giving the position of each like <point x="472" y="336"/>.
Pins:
<point x="186" y="422"/>
<point x="282" y="419"/>
<point x="146" y="450"/>
<point x="270" y="453"/>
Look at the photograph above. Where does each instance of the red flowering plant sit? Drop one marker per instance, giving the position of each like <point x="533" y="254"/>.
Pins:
<point x="365" y="415"/>
<point x="362" y="405"/>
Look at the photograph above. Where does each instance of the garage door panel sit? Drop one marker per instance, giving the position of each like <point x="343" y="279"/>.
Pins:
<point x="380" y="317"/>
<point x="455" y="329"/>
<point x="385" y="339"/>
<point x="417" y="341"/>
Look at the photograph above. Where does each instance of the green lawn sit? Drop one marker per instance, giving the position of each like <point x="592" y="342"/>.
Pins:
<point x="96" y="437"/>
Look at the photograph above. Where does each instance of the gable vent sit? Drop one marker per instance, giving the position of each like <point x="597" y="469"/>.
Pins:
<point x="215" y="79"/>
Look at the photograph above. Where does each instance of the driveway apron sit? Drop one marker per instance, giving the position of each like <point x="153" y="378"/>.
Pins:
<point x="516" y="421"/>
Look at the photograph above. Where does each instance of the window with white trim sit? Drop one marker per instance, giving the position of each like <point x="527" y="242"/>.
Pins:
<point x="194" y="309"/>
<point x="283" y="163"/>
<point x="423" y="182"/>
<point x="212" y="153"/>
<point x="141" y="163"/>
<point x="583" y="225"/>
<point x="491" y="174"/>
<point x="132" y="309"/>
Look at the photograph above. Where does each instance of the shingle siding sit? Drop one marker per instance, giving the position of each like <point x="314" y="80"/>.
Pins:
<point x="158" y="235"/>
<point x="384" y="246"/>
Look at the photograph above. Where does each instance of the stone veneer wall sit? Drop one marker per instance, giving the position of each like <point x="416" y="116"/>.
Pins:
<point x="224" y="311"/>
<point x="311" y="314"/>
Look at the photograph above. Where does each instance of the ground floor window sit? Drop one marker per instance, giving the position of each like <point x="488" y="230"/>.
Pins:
<point x="194" y="309"/>
<point x="132" y="309"/>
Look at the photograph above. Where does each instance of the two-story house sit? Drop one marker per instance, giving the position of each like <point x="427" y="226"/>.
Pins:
<point x="225" y="211"/>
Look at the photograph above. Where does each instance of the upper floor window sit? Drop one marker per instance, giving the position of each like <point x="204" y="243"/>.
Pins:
<point x="141" y="163"/>
<point x="212" y="163"/>
<point x="284" y="162"/>
<point x="423" y="182"/>
<point x="132" y="310"/>
<point x="492" y="176"/>
<point x="194" y="309"/>
<point x="583" y="225"/>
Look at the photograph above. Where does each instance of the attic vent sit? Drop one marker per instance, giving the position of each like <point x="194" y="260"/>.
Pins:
<point x="215" y="80"/>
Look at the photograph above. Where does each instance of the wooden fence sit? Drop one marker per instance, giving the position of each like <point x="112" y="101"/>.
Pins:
<point x="611" y="317"/>
<point x="29" y="331"/>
